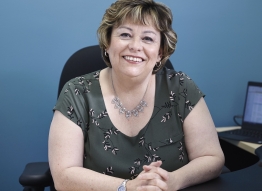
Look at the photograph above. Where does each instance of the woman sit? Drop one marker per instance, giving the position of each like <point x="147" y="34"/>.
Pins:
<point x="134" y="125"/>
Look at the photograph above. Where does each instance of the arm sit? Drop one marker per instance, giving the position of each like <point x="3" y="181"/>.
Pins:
<point x="204" y="151"/>
<point x="65" y="148"/>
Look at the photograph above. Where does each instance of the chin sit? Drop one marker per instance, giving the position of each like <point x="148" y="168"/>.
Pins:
<point x="138" y="72"/>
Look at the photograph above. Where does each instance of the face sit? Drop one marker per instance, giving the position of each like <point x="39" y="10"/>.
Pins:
<point x="134" y="49"/>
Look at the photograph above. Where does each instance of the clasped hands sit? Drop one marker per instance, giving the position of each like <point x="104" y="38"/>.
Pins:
<point x="153" y="177"/>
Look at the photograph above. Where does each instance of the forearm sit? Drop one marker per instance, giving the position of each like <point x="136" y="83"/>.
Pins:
<point x="196" y="171"/>
<point x="81" y="179"/>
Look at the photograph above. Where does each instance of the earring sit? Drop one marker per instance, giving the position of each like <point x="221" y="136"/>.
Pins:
<point x="106" y="54"/>
<point x="158" y="64"/>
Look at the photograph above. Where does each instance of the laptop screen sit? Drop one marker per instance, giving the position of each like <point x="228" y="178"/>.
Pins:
<point x="253" y="107"/>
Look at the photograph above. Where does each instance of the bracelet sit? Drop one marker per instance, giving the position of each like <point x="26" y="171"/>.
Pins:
<point x="122" y="186"/>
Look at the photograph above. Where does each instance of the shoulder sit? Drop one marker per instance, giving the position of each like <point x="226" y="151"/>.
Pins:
<point x="85" y="79"/>
<point x="172" y="73"/>
<point x="172" y="77"/>
<point x="81" y="82"/>
<point x="73" y="100"/>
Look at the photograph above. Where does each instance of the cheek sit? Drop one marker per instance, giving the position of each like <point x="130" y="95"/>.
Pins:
<point x="109" y="49"/>
<point x="111" y="52"/>
<point x="114" y="49"/>
<point x="114" y="54"/>
<point x="154" y="54"/>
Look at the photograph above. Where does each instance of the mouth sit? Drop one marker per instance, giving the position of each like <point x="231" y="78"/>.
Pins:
<point x="133" y="59"/>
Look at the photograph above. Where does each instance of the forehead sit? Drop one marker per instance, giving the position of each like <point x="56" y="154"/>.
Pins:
<point x="145" y="23"/>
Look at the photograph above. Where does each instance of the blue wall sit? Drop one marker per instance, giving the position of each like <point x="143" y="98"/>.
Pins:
<point x="219" y="46"/>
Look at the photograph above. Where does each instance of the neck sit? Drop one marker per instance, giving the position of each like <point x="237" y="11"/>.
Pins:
<point x="130" y="100"/>
<point x="129" y="85"/>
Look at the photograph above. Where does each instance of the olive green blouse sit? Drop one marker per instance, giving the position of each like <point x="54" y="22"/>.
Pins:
<point x="109" y="151"/>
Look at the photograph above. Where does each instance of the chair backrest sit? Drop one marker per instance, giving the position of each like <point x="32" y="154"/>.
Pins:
<point x="84" y="61"/>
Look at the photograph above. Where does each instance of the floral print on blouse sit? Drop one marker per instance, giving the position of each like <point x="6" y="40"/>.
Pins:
<point x="109" y="151"/>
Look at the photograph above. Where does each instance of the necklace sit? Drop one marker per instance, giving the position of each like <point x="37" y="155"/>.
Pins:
<point x="122" y="110"/>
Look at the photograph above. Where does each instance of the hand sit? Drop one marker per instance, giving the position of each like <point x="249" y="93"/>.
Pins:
<point x="153" y="178"/>
<point x="156" y="166"/>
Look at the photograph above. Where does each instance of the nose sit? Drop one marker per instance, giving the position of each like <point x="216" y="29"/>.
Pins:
<point x="135" y="44"/>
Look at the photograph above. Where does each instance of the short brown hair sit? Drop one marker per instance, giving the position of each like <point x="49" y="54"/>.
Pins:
<point x="139" y="11"/>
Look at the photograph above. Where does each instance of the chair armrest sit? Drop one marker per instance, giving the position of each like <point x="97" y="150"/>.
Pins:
<point x="36" y="174"/>
<point x="258" y="152"/>
<point x="225" y="170"/>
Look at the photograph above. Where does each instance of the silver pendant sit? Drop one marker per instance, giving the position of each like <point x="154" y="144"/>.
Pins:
<point x="122" y="110"/>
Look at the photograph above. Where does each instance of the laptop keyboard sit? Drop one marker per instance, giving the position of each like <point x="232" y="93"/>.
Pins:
<point x="249" y="133"/>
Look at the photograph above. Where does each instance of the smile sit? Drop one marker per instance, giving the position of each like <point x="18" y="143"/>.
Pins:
<point x="135" y="59"/>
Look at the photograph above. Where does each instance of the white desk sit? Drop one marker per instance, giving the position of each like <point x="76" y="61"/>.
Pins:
<point x="250" y="147"/>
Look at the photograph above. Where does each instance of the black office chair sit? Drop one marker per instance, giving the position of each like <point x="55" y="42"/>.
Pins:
<point x="36" y="176"/>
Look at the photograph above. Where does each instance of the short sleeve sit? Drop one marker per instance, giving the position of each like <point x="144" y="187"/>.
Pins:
<point x="71" y="103"/>
<point x="189" y="94"/>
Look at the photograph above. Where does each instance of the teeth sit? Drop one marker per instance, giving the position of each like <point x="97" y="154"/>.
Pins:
<point x="133" y="59"/>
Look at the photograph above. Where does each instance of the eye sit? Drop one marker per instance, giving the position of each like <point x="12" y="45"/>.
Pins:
<point x="125" y="35"/>
<point x="148" y="39"/>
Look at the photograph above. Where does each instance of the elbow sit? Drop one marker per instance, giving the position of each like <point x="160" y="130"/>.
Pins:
<point x="59" y="186"/>
<point x="217" y="165"/>
<point x="59" y="182"/>
<point x="221" y="164"/>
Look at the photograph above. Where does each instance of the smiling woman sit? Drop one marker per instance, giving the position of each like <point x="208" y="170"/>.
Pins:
<point x="138" y="126"/>
<point x="139" y="13"/>
<point x="134" y="49"/>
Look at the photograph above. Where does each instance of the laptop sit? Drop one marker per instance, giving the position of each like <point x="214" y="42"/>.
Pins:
<point x="251" y="127"/>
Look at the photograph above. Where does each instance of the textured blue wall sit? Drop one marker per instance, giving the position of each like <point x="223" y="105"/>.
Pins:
<point x="219" y="46"/>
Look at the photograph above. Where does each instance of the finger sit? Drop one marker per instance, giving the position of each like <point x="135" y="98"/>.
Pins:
<point x="149" y="176"/>
<point x="148" y="188"/>
<point x="161" y="172"/>
<point x="153" y="179"/>
<point x="155" y="184"/>
<point x="155" y="164"/>
<point x="147" y="167"/>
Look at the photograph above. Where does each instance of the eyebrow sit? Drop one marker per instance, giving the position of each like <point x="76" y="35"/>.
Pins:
<point x="128" y="28"/>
